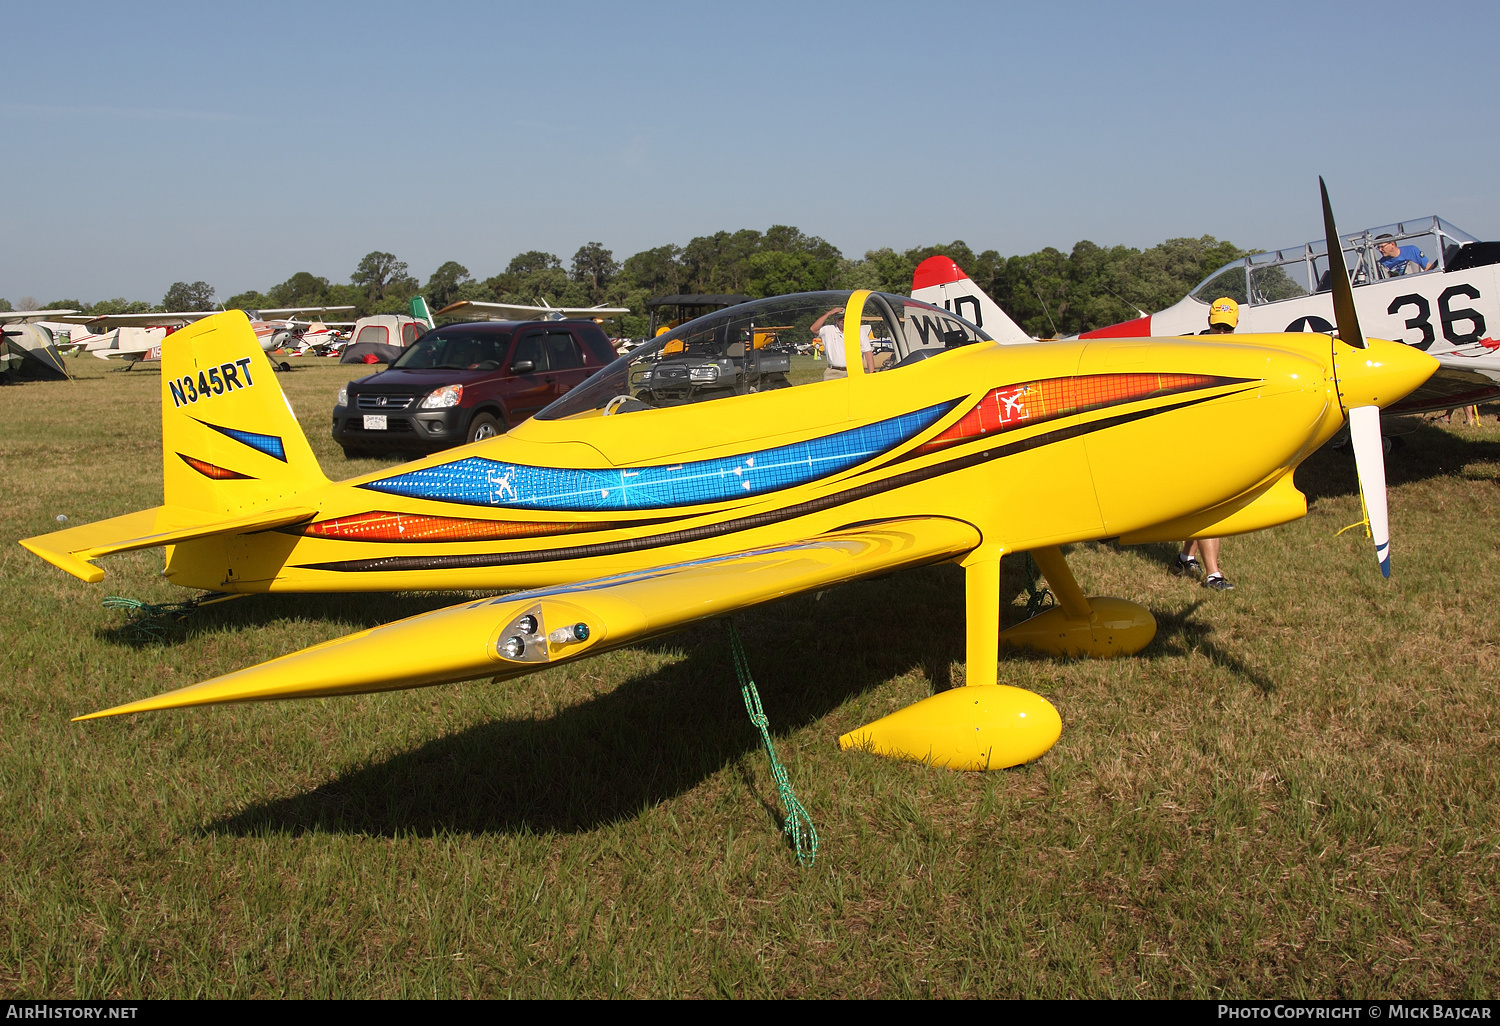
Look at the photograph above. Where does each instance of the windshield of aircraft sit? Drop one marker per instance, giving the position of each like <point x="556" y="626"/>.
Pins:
<point x="764" y="346"/>
<point x="1375" y="254"/>
<point x="455" y="349"/>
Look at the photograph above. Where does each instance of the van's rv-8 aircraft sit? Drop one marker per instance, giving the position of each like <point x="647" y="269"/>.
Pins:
<point x="695" y="477"/>
<point x="1422" y="282"/>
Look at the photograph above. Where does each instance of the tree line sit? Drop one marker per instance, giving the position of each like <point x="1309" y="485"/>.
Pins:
<point x="1048" y="292"/>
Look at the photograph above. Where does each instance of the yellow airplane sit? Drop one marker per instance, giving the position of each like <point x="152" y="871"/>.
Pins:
<point x="694" y="477"/>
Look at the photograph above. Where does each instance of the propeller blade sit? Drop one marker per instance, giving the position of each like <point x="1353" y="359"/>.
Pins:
<point x="1343" y="294"/>
<point x="1369" y="460"/>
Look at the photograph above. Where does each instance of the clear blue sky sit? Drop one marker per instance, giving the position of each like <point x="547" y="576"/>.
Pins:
<point x="237" y="144"/>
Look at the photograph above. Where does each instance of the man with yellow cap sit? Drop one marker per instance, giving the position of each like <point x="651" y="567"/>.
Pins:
<point x="1223" y="317"/>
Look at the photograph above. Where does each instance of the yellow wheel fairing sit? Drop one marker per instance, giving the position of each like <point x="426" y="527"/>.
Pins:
<point x="1113" y="627"/>
<point x="980" y="727"/>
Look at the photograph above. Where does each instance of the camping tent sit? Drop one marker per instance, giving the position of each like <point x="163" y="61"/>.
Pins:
<point x="27" y="354"/>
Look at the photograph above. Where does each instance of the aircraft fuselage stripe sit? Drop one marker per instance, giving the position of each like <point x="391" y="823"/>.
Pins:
<point x="775" y="516"/>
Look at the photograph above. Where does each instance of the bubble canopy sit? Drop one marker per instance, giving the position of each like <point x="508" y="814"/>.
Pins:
<point x="767" y="345"/>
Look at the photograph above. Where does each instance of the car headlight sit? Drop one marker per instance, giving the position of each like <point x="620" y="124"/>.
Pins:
<point x="709" y="373"/>
<point x="343" y="396"/>
<point x="442" y="398"/>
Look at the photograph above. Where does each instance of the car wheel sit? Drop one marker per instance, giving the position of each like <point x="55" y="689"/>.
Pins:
<point x="484" y="425"/>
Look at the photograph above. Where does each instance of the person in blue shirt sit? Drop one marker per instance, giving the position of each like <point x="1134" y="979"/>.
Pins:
<point x="1394" y="258"/>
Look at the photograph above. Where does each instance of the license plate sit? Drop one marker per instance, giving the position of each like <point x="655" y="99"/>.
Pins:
<point x="374" y="422"/>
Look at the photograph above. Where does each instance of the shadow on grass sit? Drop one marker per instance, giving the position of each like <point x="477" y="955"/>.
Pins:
<point x="1163" y="554"/>
<point x="653" y="737"/>
<point x="1428" y="452"/>
<point x="660" y="734"/>
<point x="1178" y="633"/>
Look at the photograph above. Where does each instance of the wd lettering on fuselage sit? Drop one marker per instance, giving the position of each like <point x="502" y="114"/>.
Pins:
<point x="214" y="381"/>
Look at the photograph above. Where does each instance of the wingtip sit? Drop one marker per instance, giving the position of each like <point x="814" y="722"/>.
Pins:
<point x="157" y="703"/>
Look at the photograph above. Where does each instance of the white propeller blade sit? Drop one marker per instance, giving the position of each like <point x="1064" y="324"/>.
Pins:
<point x="1369" y="460"/>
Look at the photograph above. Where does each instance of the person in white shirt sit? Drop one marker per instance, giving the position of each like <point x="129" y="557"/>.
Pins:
<point x="832" y="337"/>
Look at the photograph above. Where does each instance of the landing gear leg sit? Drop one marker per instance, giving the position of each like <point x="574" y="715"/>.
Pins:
<point x="982" y="630"/>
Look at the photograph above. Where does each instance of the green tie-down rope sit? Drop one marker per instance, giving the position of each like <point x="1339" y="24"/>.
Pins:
<point x="1038" y="597"/>
<point x="797" y="824"/>
<point x="148" y="621"/>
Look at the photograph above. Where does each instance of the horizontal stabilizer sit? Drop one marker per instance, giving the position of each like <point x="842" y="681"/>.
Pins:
<point x="72" y="549"/>
<point x="527" y="631"/>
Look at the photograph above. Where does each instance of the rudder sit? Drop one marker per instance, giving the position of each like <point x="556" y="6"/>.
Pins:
<point x="230" y="441"/>
<point x="941" y="282"/>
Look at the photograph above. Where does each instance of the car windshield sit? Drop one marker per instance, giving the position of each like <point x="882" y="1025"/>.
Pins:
<point x="454" y="349"/>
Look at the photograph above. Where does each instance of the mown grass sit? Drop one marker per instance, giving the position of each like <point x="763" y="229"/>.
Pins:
<point x="1290" y="792"/>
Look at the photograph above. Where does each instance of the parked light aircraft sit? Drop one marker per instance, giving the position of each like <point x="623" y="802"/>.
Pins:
<point x="54" y="333"/>
<point x="67" y="337"/>
<point x="137" y="336"/>
<point x="1421" y="282"/>
<point x="625" y="519"/>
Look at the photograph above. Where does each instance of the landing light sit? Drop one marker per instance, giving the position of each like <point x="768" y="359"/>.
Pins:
<point x="526" y="625"/>
<point x="513" y="648"/>
<point x="567" y="635"/>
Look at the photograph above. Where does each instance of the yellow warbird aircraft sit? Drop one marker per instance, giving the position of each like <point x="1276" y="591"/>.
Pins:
<point x="695" y="477"/>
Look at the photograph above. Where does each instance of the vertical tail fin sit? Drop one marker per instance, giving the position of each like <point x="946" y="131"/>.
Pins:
<point x="420" y="312"/>
<point x="229" y="439"/>
<point x="941" y="282"/>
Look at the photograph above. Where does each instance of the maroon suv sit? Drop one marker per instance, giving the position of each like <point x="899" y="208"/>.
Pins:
<point x="463" y="382"/>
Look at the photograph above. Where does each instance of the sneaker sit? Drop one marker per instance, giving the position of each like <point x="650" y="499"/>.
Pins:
<point x="1218" y="583"/>
<point x="1188" y="567"/>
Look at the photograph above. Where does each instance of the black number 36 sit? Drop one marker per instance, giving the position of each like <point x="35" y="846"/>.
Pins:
<point x="1446" y="314"/>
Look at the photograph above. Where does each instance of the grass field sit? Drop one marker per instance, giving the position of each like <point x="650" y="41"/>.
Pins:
<point x="1291" y="792"/>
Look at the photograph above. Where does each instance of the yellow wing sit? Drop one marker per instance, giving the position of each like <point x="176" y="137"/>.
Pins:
<point x="522" y="632"/>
